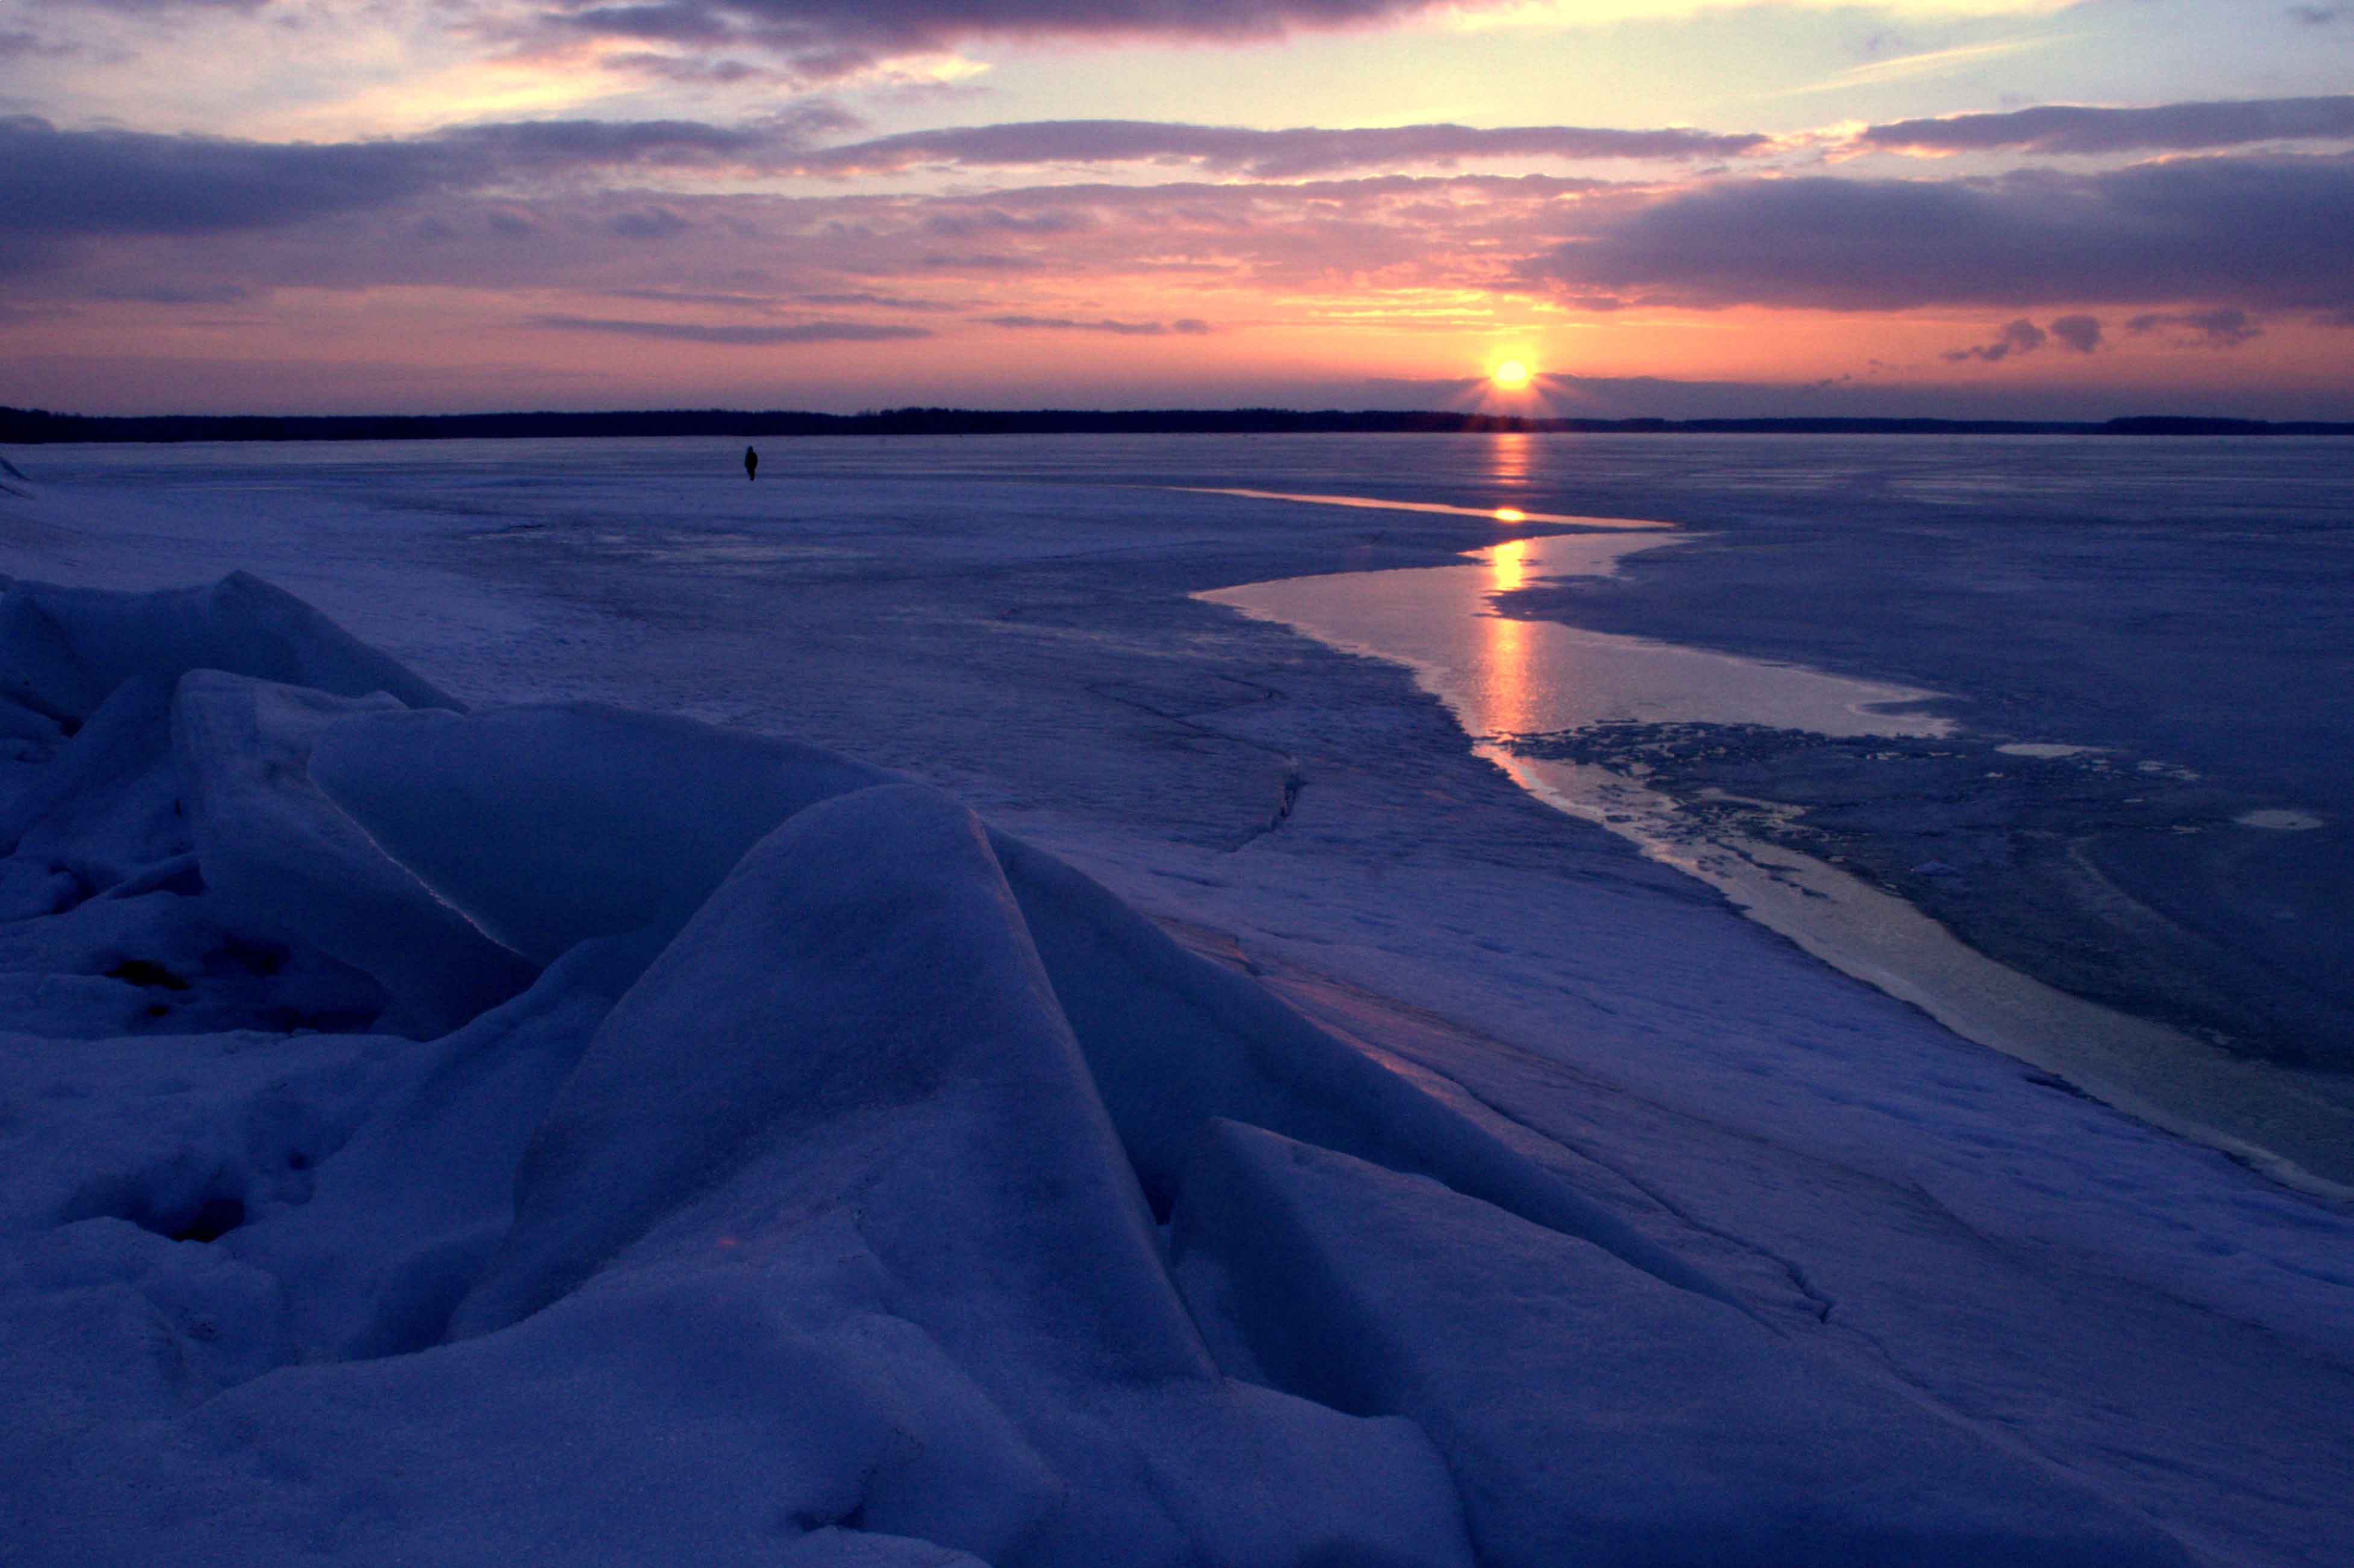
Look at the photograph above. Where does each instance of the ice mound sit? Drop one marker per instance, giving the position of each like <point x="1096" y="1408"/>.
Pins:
<point x="1589" y="1413"/>
<point x="552" y="825"/>
<point x="847" y="1079"/>
<point x="64" y="650"/>
<point x="160" y="767"/>
<point x="557" y="824"/>
<point x="398" y="1226"/>
<point x="562" y="1135"/>
<point x="284" y="862"/>
<point x="1175" y="1040"/>
<point x="109" y="806"/>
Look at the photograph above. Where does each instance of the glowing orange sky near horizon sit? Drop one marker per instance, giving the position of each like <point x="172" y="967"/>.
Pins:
<point x="410" y="345"/>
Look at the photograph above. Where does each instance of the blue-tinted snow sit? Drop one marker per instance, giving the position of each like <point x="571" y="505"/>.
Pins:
<point x="2116" y="1311"/>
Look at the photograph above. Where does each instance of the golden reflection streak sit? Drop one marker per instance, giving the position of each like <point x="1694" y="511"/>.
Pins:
<point x="1508" y="461"/>
<point x="1508" y="566"/>
<point x="1507" y="697"/>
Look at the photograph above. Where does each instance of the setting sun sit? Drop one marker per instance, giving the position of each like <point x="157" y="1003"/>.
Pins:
<point x="1511" y="375"/>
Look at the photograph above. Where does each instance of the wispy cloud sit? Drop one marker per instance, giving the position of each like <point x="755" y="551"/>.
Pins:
<point x="739" y="336"/>
<point x="173" y="293"/>
<point x="1554" y="14"/>
<point x="22" y="43"/>
<point x="128" y="182"/>
<point x="2203" y="329"/>
<point x="1185" y="326"/>
<point x="1932" y="62"/>
<point x="2077" y="334"/>
<point x="1266" y="154"/>
<point x="823" y="38"/>
<point x="2079" y="130"/>
<point x="2021" y="336"/>
<point x="877" y="302"/>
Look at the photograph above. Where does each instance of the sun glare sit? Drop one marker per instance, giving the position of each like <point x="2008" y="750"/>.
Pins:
<point x="1511" y="375"/>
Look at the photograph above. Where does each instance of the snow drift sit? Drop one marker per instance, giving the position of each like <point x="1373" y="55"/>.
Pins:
<point x="565" y="1135"/>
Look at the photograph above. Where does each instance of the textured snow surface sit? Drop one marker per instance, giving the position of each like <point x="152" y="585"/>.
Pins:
<point x="560" y="1133"/>
<point x="1590" y="1414"/>
<point x="817" y="1221"/>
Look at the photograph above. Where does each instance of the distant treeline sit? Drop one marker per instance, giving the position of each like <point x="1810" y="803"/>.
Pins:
<point x="35" y="427"/>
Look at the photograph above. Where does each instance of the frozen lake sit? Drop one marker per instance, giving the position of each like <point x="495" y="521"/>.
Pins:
<point x="1844" y="645"/>
<point x="2128" y="795"/>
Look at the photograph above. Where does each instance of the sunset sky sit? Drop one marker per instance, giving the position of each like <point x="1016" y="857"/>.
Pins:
<point x="1669" y="208"/>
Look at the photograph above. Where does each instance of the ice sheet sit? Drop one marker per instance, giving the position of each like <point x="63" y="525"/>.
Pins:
<point x="1010" y="621"/>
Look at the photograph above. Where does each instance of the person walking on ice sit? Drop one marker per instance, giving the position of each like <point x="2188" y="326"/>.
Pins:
<point x="752" y="464"/>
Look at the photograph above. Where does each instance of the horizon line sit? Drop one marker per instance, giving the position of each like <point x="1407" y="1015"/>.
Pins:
<point x="38" y="427"/>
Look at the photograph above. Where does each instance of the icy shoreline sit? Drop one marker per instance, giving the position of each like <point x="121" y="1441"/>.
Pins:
<point x="2176" y="634"/>
<point x="1752" y="776"/>
<point x="2089" y="1298"/>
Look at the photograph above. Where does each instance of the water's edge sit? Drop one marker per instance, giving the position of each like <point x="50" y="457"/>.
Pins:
<point x="1500" y="677"/>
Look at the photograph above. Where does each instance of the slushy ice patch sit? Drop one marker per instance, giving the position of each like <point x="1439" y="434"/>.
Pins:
<point x="2054" y="859"/>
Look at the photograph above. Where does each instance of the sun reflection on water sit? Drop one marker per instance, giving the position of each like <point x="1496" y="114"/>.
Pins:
<point x="1509" y="458"/>
<point x="1508" y="682"/>
<point x="1508" y="564"/>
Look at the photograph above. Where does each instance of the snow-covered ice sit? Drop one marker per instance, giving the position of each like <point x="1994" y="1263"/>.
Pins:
<point x="1589" y="1413"/>
<point x="1059" y="1074"/>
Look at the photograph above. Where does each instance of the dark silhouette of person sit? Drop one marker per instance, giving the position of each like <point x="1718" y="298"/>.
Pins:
<point x="751" y="463"/>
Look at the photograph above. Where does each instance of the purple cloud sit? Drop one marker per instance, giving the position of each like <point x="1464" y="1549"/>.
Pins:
<point x="16" y="43"/>
<point x="2079" y="334"/>
<point x="137" y="7"/>
<point x="823" y="38"/>
<point x="2254" y="232"/>
<point x="2315" y="16"/>
<point x="2021" y="336"/>
<point x="1189" y="326"/>
<point x="986" y="221"/>
<point x="174" y="294"/>
<point x="977" y="262"/>
<point x="692" y="297"/>
<point x="648" y="223"/>
<point x="2224" y="328"/>
<point x="876" y="302"/>
<point x="755" y="337"/>
<point x="2169" y="127"/>
<point x="59" y="183"/>
<point x="124" y="182"/>
<point x="525" y="146"/>
<point x="771" y="251"/>
<point x="59" y="189"/>
<point x="1263" y="155"/>
<point x="2082" y="334"/>
<point x="689" y="68"/>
